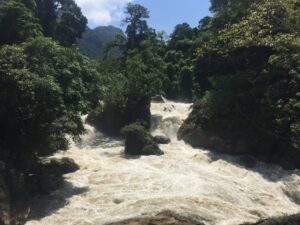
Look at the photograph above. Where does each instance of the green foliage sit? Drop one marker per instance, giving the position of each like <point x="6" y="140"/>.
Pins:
<point x="24" y="19"/>
<point x="17" y="23"/>
<point x="204" y="24"/>
<point x="71" y="24"/>
<point x="44" y="89"/>
<point x="144" y="73"/>
<point x="228" y="12"/>
<point x="181" y="32"/>
<point x="131" y="79"/>
<point x="179" y="62"/>
<point x="137" y="29"/>
<point x="127" y="89"/>
<point x="251" y="74"/>
<point x="61" y="20"/>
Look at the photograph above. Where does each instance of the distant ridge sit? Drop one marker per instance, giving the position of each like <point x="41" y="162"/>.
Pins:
<point x="93" y="41"/>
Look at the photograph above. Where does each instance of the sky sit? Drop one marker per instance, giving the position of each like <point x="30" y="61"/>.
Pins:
<point x="164" y="14"/>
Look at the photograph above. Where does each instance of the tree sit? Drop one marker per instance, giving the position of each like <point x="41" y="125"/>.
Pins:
<point x="71" y="24"/>
<point x="61" y="19"/>
<point x="229" y="11"/>
<point x="46" y="12"/>
<point x="217" y="5"/>
<point x="44" y="89"/>
<point x="179" y="58"/>
<point x="17" y="23"/>
<point x="182" y="31"/>
<point x="137" y="28"/>
<point x="204" y="23"/>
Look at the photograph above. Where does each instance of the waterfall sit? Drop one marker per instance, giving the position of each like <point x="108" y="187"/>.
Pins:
<point x="110" y="187"/>
<point x="167" y="117"/>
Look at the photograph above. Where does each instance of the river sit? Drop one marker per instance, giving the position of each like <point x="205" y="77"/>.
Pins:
<point x="110" y="186"/>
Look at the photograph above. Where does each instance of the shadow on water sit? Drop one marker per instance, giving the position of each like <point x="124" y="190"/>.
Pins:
<point x="130" y="157"/>
<point x="99" y="140"/>
<point x="268" y="171"/>
<point x="273" y="173"/>
<point x="46" y="205"/>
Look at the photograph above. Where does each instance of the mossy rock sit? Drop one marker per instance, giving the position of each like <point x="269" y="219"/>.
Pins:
<point x="138" y="141"/>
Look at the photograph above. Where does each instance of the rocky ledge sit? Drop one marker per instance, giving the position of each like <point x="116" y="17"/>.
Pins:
<point x="170" y="218"/>
<point x="238" y="143"/>
<point x="164" y="218"/>
<point x="285" y="220"/>
<point x="17" y="187"/>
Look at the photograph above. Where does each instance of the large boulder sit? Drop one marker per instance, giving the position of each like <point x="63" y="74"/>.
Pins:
<point x="48" y="174"/>
<point x="224" y="140"/>
<point x="111" y="118"/>
<point x="59" y="166"/>
<point x="196" y="136"/>
<point x="138" y="141"/>
<point x="161" y="139"/>
<point x="163" y="218"/>
<point x="285" y="220"/>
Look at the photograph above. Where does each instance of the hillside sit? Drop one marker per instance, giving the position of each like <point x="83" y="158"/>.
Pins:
<point x="93" y="41"/>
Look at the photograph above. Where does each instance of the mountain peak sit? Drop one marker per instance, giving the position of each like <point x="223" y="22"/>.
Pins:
<point x="94" y="40"/>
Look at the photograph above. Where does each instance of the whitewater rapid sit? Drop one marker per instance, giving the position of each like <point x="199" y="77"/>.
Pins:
<point x="192" y="182"/>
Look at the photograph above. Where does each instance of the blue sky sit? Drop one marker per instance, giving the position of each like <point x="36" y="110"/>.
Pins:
<point x="164" y="14"/>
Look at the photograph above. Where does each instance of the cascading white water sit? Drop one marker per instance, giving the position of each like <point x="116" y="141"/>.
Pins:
<point x="110" y="187"/>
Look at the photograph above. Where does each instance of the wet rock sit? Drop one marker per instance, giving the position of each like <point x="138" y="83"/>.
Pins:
<point x="197" y="137"/>
<point x="49" y="174"/>
<point x="61" y="166"/>
<point x="285" y="220"/>
<point x="161" y="139"/>
<point x="291" y="189"/>
<point x="169" y="108"/>
<point x="155" y="121"/>
<point x="164" y="218"/>
<point x="14" y="198"/>
<point x="158" y="99"/>
<point x="138" y="141"/>
<point x="118" y="201"/>
<point x="247" y="161"/>
<point x="48" y="182"/>
<point x="219" y="139"/>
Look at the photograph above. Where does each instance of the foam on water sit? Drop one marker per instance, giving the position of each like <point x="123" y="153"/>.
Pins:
<point x="110" y="187"/>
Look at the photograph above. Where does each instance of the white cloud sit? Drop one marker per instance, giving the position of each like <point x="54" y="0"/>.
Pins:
<point x="102" y="12"/>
